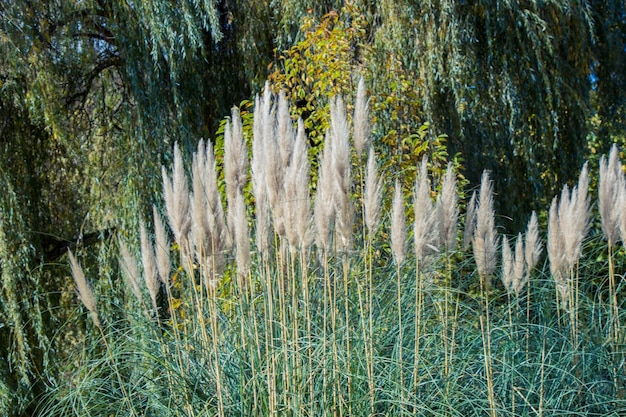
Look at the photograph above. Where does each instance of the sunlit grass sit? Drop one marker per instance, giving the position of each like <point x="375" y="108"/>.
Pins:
<point x="338" y="328"/>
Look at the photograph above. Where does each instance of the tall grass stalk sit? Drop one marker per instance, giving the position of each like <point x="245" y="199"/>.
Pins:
<point x="612" y="201"/>
<point x="568" y="226"/>
<point x="372" y="210"/>
<point x="532" y="252"/>
<point x="423" y="229"/>
<point x="447" y="216"/>
<point x="484" y="245"/>
<point x="86" y="296"/>
<point x="399" y="248"/>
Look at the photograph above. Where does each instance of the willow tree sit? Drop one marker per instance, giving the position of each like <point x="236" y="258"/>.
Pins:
<point x="510" y="83"/>
<point x="92" y="95"/>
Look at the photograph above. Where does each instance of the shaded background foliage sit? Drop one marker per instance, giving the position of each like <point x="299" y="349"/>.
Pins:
<point x="94" y="93"/>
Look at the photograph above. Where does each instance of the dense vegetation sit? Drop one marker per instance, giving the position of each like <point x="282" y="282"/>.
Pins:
<point x="94" y="96"/>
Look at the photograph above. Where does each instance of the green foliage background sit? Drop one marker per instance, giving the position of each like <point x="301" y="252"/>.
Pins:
<point x="94" y="93"/>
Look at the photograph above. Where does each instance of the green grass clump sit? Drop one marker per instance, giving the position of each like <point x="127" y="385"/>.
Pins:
<point x="327" y="313"/>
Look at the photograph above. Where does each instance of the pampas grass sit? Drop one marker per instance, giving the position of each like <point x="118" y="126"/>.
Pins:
<point x="448" y="210"/>
<point x="342" y="177"/>
<point x="533" y="247"/>
<point x="150" y="272"/>
<point x="361" y="120"/>
<point x="484" y="243"/>
<point x="513" y="266"/>
<point x="307" y="318"/>
<point x="484" y="240"/>
<point x="161" y="248"/>
<point x="612" y="202"/>
<point x="398" y="225"/>
<point x="128" y="264"/>
<point x="324" y="213"/>
<point x="84" y="289"/>
<point x="425" y="224"/>
<point x="262" y="128"/>
<point x="176" y="196"/>
<point x="373" y="194"/>
<point x="298" y="213"/>
<point x="399" y="249"/>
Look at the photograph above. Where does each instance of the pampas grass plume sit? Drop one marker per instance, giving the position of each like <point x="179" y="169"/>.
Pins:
<point x="162" y="248"/>
<point x="150" y="272"/>
<point x="470" y="221"/>
<point x="131" y="272"/>
<point x="555" y="240"/>
<point x="398" y="225"/>
<point x="361" y="120"/>
<point x="303" y="196"/>
<point x="519" y="267"/>
<point x="507" y="265"/>
<point x="573" y="216"/>
<point x="447" y="209"/>
<point x="258" y="166"/>
<point x="324" y="214"/>
<point x="373" y="194"/>
<point x="242" y="237"/>
<point x="340" y="157"/>
<point x="485" y="238"/>
<point x="198" y="202"/>
<point x="176" y="196"/>
<point x="284" y="130"/>
<point x="84" y="290"/>
<point x="533" y="248"/>
<point x="235" y="162"/>
<point x="610" y="194"/>
<point x="424" y="222"/>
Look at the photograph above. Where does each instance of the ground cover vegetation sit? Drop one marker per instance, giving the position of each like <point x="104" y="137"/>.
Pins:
<point x="313" y="302"/>
<point x="306" y="257"/>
